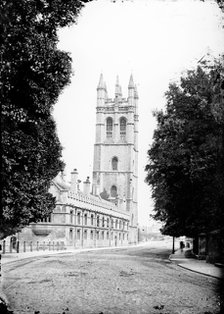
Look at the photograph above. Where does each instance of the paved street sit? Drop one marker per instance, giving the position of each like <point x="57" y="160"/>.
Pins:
<point x="133" y="280"/>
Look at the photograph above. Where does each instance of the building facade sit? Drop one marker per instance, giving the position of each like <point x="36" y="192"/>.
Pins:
<point x="106" y="214"/>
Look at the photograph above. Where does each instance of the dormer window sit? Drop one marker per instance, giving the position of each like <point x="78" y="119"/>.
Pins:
<point x="109" y="127"/>
<point x="114" y="163"/>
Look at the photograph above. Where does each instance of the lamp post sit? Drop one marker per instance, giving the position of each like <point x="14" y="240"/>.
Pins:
<point x="173" y="249"/>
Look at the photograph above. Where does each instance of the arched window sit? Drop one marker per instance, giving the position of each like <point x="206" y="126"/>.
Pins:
<point x="71" y="216"/>
<point x="113" y="191"/>
<point x="70" y="234"/>
<point x="97" y="221"/>
<point x="78" y="218"/>
<point x="109" y="127"/>
<point x="92" y="219"/>
<point x="103" y="220"/>
<point x="114" y="163"/>
<point x="122" y="127"/>
<point x="85" y="219"/>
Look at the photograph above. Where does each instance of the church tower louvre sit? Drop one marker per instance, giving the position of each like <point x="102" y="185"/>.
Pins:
<point x="115" y="167"/>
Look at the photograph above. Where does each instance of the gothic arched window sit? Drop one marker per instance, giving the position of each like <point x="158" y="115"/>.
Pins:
<point x="122" y="127"/>
<point x="92" y="219"/>
<point x="85" y="219"/>
<point x="109" y="127"/>
<point x="114" y="163"/>
<point x="113" y="191"/>
<point x="97" y="221"/>
<point x="79" y="218"/>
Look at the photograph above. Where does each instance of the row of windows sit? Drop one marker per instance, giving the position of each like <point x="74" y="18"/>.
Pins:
<point x="99" y="235"/>
<point x="104" y="222"/>
<point x="109" y="127"/>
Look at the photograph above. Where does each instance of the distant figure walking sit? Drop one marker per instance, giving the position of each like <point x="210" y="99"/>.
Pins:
<point x="182" y="246"/>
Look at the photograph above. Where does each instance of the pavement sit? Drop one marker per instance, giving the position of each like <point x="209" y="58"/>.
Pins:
<point x="196" y="265"/>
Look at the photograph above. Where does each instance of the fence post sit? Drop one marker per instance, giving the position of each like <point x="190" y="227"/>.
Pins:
<point x="24" y="246"/>
<point x="31" y="246"/>
<point x="37" y="246"/>
<point x="3" y="247"/>
<point x="17" y="246"/>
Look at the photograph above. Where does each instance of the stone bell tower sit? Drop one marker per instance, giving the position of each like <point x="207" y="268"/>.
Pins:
<point x="115" y="167"/>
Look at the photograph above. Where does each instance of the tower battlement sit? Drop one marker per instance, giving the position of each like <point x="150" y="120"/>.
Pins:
<point x="104" y="100"/>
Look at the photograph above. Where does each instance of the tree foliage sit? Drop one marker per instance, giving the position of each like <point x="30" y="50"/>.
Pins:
<point x="186" y="159"/>
<point x="33" y="73"/>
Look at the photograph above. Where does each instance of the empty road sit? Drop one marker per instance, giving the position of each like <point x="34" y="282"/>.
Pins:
<point x="134" y="280"/>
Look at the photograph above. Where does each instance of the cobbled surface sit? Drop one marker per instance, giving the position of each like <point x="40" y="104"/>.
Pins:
<point x="134" y="280"/>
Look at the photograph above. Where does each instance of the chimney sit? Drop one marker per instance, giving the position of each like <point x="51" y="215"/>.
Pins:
<point x="86" y="186"/>
<point x="74" y="179"/>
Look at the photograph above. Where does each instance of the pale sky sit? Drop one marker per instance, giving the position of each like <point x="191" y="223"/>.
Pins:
<point x="154" y="40"/>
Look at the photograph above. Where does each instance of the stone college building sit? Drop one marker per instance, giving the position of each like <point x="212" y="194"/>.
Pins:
<point x="107" y="213"/>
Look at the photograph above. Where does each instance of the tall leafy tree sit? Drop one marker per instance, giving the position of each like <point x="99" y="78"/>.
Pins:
<point x="186" y="158"/>
<point x="33" y="73"/>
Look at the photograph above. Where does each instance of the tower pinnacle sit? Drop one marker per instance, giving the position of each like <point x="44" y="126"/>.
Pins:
<point x="131" y="82"/>
<point x="101" y="83"/>
<point x="117" y="88"/>
<point x="101" y="92"/>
